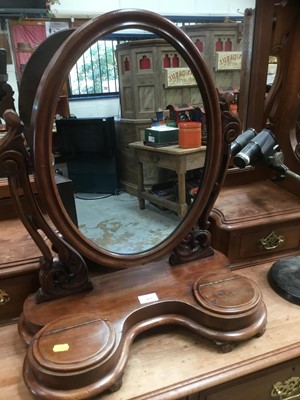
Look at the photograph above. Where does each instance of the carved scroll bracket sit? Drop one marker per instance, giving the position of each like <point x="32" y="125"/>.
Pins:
<point x="63" y="273"/>
<point x="195" y="245"/>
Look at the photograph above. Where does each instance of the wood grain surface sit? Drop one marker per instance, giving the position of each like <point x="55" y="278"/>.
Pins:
<point x="172" y="362"/>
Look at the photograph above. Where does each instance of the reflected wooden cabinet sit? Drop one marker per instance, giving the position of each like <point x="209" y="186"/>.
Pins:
<point x="149" y="69"/>
<point x="141" y="66"/>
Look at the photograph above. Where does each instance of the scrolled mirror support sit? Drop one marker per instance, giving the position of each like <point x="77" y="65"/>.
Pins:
<point x="60" y="274"/>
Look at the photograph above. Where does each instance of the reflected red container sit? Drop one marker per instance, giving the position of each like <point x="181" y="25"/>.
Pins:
<point x="189" y="134"/>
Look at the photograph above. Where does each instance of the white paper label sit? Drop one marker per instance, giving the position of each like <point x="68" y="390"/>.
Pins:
<point x="148" y="298"/>
<point x="58" y="348"/>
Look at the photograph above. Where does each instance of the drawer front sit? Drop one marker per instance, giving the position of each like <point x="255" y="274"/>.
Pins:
<point x="13" y="292"/>
<point x="258" y="386"/>
<point x="270" y="240"/>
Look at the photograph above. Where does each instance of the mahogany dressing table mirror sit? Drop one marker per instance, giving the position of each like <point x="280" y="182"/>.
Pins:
<point x="79" y="329"/>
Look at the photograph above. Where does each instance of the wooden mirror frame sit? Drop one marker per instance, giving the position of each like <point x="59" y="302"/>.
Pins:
<point x="98" y="325"/>
<point x="43" y="115"/>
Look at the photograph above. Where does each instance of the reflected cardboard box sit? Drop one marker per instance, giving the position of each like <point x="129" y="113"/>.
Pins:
<point x="161" y="135"/>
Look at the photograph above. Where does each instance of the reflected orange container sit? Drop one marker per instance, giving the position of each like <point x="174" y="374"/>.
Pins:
<point x="189" y="134"/>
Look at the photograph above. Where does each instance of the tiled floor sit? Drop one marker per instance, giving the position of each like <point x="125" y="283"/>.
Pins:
<point x="116" y="223"/>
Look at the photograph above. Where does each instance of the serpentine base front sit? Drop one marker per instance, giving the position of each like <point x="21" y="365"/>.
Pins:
<point x="79" y="345"/>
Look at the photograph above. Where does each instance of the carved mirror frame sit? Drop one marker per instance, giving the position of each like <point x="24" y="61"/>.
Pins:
<point x="100" y="317"/>
<point x="43" y="116"/>
<point x="66" y="272"/>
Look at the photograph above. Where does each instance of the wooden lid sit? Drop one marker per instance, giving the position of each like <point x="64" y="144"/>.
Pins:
<point x="73" y="343"/>
<point x="226" y="293"/>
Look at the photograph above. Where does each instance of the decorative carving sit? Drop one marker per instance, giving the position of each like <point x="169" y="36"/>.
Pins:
<point x="60" y="275"/>
<point x="231" y="128"/>
<point x="194" y="246"/>
<point x="93" y="357"/>
<point x="272" y="98"/>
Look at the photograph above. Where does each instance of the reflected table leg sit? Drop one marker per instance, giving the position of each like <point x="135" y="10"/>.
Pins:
<point x="182" y="206"/>
<point x="140" y="184"/>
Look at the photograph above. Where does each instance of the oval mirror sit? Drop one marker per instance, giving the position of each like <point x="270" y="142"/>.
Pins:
<point x="72" y="45"/>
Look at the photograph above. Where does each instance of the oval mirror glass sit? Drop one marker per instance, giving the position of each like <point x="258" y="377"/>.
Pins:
<point x="170" y="233"/>
<point x="108" y="158"/>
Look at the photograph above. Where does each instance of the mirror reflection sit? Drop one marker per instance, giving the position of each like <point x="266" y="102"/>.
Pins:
<point x="132" y="179"/>
<point x="272" y="69"/>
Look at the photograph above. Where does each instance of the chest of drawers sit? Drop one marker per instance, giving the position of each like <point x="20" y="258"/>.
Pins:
<point x="255" y="222"/>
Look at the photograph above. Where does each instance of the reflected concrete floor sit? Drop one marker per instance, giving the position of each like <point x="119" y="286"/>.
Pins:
<point x="116" y="223"/>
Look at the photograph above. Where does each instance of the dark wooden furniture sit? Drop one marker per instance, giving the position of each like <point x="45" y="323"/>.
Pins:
<point x="258" y="220"/>
<point x="175" y="363"/>
<point x="184" y="280"/>
<point x="19" y="267"/>
<point x="20" y="256"/>
<point x="266" y="197"/>
<point x="79" y="330"/>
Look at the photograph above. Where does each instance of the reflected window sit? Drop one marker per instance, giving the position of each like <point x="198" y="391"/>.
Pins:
<point x="199" y="45"/>
<point x="219" y="45"/>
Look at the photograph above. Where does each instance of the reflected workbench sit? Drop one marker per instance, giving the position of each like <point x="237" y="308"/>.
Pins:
<point x="172" y="158"/>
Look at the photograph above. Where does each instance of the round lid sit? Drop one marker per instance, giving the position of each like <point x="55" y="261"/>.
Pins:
<point x="226" y="293"/>
<point x="74" y="342"/>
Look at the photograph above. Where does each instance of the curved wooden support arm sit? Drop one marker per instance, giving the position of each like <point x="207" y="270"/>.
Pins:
<point x="61" y="274"/>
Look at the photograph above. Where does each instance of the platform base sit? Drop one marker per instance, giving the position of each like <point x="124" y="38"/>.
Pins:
<point x="79" y="345"/>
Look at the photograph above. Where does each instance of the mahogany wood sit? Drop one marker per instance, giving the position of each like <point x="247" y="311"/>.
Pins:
<point x="176" y="363"/>
<point x="44" y="109"/>
<point x="264" y="207"/>
<point x="79" y="345"/>
<point x="19" y="267"/>
<point x="257" y="65"/>
<point x="245" y="213"/>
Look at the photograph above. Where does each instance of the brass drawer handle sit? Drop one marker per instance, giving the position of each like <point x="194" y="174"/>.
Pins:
<point x="288" y="390"/>
<point x="4" y="297"/>
<point x="271" y="242"/>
